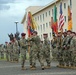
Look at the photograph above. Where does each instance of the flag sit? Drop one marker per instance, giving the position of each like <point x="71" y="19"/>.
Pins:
<point x="31" y="26"/>
<point x="69" y="18"/>
<point x="55" y="25"/>
<point x="61" y="18"/>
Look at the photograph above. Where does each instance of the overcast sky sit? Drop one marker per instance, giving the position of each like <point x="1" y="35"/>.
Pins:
<point x="13" y="10"/>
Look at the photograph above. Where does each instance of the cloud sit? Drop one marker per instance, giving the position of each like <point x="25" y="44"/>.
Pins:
<point x="4" y="4"/>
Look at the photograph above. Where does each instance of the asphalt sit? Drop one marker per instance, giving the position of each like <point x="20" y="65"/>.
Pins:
<point x="7" y="68"/>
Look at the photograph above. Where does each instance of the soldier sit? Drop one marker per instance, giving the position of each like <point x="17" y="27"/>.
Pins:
<point x="59" y="50"/>
<point x="36" y="51"/>
<point x="64" y="48"/>
<point x="53" y="47"/>
<point x="15" y="50"/>
<point x="46" y="48"/>
<point x="68" y="51"/>
<point x="23" y="48"/>
<point x="10" y="49"/>
<point x="7" y="52"/>
<point x="73" y="50"/>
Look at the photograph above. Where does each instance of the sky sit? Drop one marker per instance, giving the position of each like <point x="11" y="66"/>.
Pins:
<point x="12" y="11"/>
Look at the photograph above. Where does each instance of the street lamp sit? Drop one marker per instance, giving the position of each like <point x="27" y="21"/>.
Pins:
<point x="16" y="26"/>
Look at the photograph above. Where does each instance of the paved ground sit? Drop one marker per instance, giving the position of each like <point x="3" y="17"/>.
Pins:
<point x="7" y="68"/>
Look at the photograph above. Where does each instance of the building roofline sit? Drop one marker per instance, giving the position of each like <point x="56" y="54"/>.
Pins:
<point x="51" y="3"/>
<point x="44" y="7"/>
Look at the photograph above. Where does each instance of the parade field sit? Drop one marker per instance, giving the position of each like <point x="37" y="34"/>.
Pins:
<point x="7" y="68"/>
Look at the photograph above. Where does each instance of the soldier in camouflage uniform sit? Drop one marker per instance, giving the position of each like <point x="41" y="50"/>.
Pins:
<point x="36" y="51"/>
<point x="64" y="48"/>
<point x="7" y="52"/>
<point x="59" y="49"/>
<point x="68" y="49"/>
<point x="23" y="49"/>
<point x="46" y="50"/>
<point x="15" y="50"/>
<point x="53" y="47"/>
<point x="73" y="51"/>
<point x="10" y="49"/>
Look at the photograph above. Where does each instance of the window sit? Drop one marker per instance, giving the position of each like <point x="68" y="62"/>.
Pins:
<point x="40" y="18"/>
<point x="49" y="24"/>
<point x="64" y="5"/>
<point x="52" y="12"/>
<point x="65" y="18"/>
<point x="49" y="13"/>
<point x="70" y="3"/>
<point x="41" y="27"/>
<point x="50" y="35"/>
<point x="43" y="17"/>
<point x="46" y="25"/>
<point x="38" y="27"/>
<point x="46" y="14"/>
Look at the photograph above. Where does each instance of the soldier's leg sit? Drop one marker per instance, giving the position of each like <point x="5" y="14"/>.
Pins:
<point x="23" y="58"/>
<point x="30" y="58"/>
<point x="34" y="57"/>
<point x="7" y="56"/>
<point x="47" y="58"/>
<point x="41" y="59"/>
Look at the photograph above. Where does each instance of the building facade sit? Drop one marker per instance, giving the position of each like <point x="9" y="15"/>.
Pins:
<point x="42" y="16"/>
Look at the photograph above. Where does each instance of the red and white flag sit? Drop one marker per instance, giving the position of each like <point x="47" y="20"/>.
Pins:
<point x="61" y="18"/>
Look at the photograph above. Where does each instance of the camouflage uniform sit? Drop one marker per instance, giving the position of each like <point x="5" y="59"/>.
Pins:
<point x="46" y="51"/>
<point x="68" y="51"/>
<point x="7" y="52"/>
<point x="15" y="50"/>
<point x="53" y="47"/>
<point x="59" y="50"/>
<point x="10" y="50"/>
<point x="36" y="52"/>
<point x="23" y="49"/>
<point x="73" y="52"/>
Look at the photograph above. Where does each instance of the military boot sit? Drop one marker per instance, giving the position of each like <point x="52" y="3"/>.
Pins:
<point x="23" y="68"/>
<point x="42" y="67"/>
<point x="33" y="68"/>
<point x="47" y="67"/>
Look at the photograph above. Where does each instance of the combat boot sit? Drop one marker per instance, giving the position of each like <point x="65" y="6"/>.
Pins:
<point x="47" y="67"/>
<point x="23" y="68"/>
<point x="58" y="66"/>
<point x="30" y="66"/>
<point x="42" y="67"/>
<point x="33" y="68"/>
<point x="67" y="66"/>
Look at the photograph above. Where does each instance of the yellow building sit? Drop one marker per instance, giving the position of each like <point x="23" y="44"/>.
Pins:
<point x="42" y="15"/>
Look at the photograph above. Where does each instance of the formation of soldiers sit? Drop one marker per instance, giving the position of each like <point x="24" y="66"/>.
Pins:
<point x="63" y="47"/>
<point x="38" y="50"/>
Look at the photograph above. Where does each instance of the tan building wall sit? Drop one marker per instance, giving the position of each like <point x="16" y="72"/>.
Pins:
<point x="74" y="14"/>
<point x="47" y="11"/>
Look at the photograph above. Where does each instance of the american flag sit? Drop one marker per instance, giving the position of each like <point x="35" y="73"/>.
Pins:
<point x="61" y="18"/>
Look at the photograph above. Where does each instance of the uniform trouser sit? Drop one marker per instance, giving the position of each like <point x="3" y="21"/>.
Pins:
<point x="47" y="57"/>
<point x="30" y="57"/>
<point x="66" y="57"/>
<point x="23" y="57"/>
<point x="35" y="55"/>
<point x="7" y="56"/>
<point x="2" y="55"/>
<point x="74" y="61"/>
<point x="60" y="57"/>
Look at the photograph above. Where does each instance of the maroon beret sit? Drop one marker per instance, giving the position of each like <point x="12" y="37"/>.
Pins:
<point x="45" y="34"/>
<point x="23" y="34"/>
<point x="69" y="31"/>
